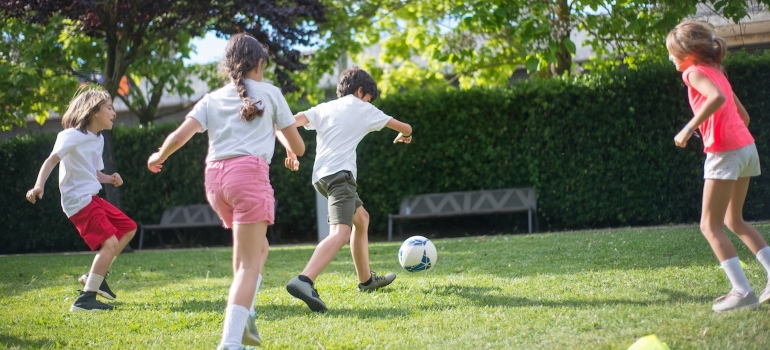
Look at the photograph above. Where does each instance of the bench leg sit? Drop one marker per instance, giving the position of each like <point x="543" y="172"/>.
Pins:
<point x="141" y="237"/>
<point x="390" y="229"/>
<point x="529" y="219"/>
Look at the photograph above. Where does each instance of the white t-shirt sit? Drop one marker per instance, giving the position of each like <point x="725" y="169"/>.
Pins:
<point x="341" y="124"/>
<point x="230" y="136"/>
<point x="81" y="158"/>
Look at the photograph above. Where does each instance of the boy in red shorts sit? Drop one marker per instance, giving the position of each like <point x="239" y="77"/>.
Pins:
<point x="102" y="226"/>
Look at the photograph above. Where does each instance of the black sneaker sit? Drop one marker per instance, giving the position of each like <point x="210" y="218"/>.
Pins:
<point x="104" y="289"/>
<point x="87" y="302"/>
<point x="377" y="282"/>
<point x="305" y="292"/>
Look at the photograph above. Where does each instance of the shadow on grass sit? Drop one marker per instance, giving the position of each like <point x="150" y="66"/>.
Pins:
<point x="12" y="342"/>
<point x="485" y="296"/>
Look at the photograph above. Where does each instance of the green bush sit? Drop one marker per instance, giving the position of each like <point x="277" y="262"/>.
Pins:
<point x="599" y="149"/>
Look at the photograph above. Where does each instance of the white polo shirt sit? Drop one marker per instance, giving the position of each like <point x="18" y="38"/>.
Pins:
<point x="341" y="124"/>
<point x="230" y="136"/>
<point x="81" y="157"/>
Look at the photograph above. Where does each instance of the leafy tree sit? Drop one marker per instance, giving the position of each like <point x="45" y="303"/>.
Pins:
<point x="483" y="42"/>
<point x="129" y="31"/>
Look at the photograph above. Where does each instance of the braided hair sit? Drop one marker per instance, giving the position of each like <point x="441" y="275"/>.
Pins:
<point x="242" y="54"/>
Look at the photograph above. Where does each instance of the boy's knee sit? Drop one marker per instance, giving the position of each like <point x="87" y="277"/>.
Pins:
<point x="361" y="217"/>
<point x="111" y="245"/>
<point x="130" y="234"/>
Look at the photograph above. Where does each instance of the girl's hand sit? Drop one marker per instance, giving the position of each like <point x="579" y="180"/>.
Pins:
<point x="402" y="138"/>
<point x="155" y="163"/>
<point x="291" y="161"/>
<point x="35" y="192"/>
<point x="682" y="137"/>
<point x="116" y="180"/>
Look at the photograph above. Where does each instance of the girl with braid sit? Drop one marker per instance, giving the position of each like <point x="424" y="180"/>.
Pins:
<point x="242" y="119"/>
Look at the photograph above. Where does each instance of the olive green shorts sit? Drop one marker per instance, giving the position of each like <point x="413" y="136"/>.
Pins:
<point x="340" y="190"/>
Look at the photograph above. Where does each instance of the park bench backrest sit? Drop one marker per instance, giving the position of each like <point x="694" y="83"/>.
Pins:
<point x="471" y="202"/>
<point x="190" y="215"/>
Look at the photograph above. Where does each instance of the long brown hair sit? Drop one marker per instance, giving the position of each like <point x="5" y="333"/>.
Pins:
<point x="697" y="39"/>
<point x="242" y="54"/>
<point x="83" y="106"/>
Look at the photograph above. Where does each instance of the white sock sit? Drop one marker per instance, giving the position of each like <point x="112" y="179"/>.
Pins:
<point x="235" y="323"/>
<point x="93" y="282"/>
<point x="763" y="255"/>
<point x="736" y="276"/>
<point x="254" y="300"/>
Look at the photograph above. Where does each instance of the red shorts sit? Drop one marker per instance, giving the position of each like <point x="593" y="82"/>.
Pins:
<point x="99" y="221"/>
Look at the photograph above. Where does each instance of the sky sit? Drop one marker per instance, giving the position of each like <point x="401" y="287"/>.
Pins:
<point x="209" y="49"/>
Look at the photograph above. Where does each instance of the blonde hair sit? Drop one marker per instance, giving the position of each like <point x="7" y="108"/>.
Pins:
<point x="692" y="38"/>
<point x="83" y="106"/>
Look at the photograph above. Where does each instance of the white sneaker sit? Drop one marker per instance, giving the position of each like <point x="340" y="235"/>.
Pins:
<point x="736" y="301"/>
<point x="765" y="296"/>
<point x="251" y="334"/>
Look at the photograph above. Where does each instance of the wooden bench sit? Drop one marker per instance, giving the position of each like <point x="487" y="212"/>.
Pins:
<point x="434" y="205"/>
<point x="179" y="217"/>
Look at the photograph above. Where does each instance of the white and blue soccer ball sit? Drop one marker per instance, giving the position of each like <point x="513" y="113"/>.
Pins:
<point x="417" y="254"/>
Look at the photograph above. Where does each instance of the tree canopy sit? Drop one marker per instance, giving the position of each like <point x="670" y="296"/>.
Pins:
<point x="483" y="42"/>
<point x="148" y="38"/>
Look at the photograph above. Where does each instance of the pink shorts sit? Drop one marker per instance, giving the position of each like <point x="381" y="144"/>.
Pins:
<point x="239" y="190"/>
<point x="99" y="221"/>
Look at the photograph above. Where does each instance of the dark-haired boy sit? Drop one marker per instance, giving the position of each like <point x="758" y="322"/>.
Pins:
<point x="341" y="124"/>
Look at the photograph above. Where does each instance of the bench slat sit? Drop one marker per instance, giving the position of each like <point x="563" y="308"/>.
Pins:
<point x="434" y="205"/>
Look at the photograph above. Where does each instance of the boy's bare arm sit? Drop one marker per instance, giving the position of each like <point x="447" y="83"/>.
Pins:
<point x="42" y="177"/>
<point x="291" y="140"/>
<point x="404" y="130"/>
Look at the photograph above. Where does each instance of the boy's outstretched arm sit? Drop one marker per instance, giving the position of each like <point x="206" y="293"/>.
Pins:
<point x="296" y="149"/>
<point x="42" y="177"/>
<point x="404" y="130"/>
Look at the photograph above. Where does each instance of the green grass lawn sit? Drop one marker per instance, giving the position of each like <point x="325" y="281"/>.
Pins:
<point x="585" y="290"/>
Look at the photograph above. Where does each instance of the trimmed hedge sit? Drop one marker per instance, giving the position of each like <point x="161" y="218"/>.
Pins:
<point x="599" y="149"/>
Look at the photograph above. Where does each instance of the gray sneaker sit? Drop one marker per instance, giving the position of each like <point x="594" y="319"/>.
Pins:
<point x="251" y="334"/>
<point x="377" y="282"/>
<point x="104" y="289"/>
<point x="305" y="292"/>
<point x="87" y="302"/>
<point x="765" y="296"/>
<point x="736" y="301"/>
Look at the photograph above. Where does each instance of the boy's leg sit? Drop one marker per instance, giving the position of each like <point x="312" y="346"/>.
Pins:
<point x="248" y="240"/>
<point x="717" y="195"/>
<point x="359" y="244"/>
<point x="324" y="253"/>
<point x="119" y="222"/>
<point x="86" y="301"/>
<point x="359" y="247"/>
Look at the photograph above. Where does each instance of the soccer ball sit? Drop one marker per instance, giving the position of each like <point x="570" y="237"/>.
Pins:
<point x="417" y="254"/>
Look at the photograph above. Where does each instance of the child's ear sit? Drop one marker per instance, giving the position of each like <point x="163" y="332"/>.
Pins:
<point x="359" y="93"/>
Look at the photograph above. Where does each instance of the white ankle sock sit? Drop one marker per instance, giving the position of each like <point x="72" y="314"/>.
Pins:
<point x="235" y="323"/>
<point x="93" y="282"/>
<point x="254" y="300"/>
<point x="763" y="255"/>
<point x="736" y="276"/>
